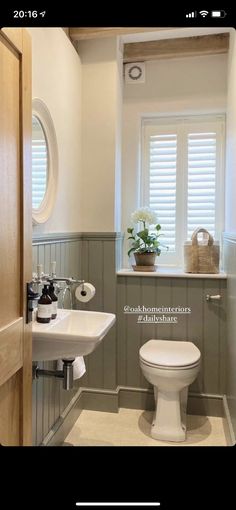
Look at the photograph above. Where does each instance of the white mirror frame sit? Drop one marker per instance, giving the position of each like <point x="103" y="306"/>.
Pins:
<point x="40" y="110"/>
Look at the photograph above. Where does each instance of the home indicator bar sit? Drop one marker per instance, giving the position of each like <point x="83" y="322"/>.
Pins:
<point x="150" y="504"/>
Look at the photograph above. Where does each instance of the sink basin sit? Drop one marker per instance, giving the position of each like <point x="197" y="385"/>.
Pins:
<point x="73" y="333"/>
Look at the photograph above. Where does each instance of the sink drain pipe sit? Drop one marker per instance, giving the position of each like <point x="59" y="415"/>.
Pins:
<point x="66" y="373"/>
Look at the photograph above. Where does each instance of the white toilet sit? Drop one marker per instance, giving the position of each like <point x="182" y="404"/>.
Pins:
<point x="171" y="366"/>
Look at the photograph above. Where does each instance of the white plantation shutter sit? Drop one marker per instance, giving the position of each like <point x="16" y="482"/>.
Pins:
<point x="183" y="178"/>
<point x="39" y="164"/>
<point x="201" y="182"/>
<point x="162" y="183"/>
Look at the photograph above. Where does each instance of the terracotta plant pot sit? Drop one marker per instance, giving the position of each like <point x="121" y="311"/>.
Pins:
<point x="145" y="259"/>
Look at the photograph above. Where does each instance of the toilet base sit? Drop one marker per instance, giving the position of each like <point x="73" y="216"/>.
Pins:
<point x="169" y="423"/>
<point x="176" y="436"/>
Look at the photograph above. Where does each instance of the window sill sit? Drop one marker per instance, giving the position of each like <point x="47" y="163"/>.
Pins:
<point x="164" y="272"/>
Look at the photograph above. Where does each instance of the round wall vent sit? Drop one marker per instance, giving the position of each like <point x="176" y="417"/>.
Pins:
<point x="135" y="72"/>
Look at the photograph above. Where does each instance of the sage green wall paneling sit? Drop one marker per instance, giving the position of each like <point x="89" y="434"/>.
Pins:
<point x="164" y="298"/>
<point x="223" y="337"/>
<point x="58" y="259"/>
<point x="195" y="323"/>
<point x="95" y="274"/>
<point x="95" y="277"/>
<point x="41" y="255"/>
<point x="148" y="299"/>
<point x="109" y="305"/>
<point x="83" y="306"/>
<point x="85" y="260"/>
<point x="148" y="329"/>
<point x="73" y="260"/>
<point x="47" y="258"/>
<point x="35" y="258"/>
<point x="63" y="256"/>
<point x="133" y="340"/>
<point x="211" y="336"/>
<point x="53" y="252"/>
<point x="98" y="267"/>
<point x="205" y="326"/>
<point x="121" y="328"/>
<point x="179" y="299"/>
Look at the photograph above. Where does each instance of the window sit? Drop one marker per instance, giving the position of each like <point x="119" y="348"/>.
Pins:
<point x="182" y="178"/>
<point x="44" y="162"/>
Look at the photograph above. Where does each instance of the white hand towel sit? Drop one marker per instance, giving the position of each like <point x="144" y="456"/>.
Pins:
<point x="79" y="367"/>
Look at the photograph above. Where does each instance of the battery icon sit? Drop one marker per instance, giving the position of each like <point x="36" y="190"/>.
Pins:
<point x="218" y="14"/>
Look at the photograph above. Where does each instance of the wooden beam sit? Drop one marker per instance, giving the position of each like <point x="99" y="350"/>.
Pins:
<point x="78" y="34"/>
<point x="175" y="48"/>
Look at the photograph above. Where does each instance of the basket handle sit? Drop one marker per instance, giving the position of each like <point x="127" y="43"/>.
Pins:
<point x="195" y="234"/>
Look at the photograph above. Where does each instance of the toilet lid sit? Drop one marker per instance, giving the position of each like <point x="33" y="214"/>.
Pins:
<point x="169" y="353"/>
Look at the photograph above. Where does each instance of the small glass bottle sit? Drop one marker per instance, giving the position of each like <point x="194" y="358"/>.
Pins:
<point x="44" y="306"/>
<point x="54" y="299"/>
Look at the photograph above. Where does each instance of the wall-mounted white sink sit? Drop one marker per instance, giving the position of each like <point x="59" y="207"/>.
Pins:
<point x="73" y="333"/>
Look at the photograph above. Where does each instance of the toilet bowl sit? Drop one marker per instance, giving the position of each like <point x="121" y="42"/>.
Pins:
<point x="171" y="366"/>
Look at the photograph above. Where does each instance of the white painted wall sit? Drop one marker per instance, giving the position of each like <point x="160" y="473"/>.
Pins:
<point x="230" y="203"/>
<point x="101" y="134"/>
<point x="188" y="85"/>
<point x="57" y="82"/>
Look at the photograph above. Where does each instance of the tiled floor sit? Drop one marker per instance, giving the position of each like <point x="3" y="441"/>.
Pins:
<point x="131" y="427"/>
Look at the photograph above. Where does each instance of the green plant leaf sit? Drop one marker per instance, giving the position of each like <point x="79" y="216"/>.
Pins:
<point x="130" y="230"/>
<point x="158" y="227"/>
<point x="130" y="251"/>
<point x="143" y="234"/>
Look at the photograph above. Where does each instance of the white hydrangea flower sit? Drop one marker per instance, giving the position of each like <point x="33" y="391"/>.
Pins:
<point x="144" y="214"/>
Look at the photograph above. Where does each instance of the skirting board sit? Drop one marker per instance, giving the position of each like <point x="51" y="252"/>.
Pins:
<point x="128" y="397"/>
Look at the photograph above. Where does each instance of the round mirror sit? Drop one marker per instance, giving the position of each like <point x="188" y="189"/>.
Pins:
<point x="44" y="162"/>
<point x="39" y="163"/>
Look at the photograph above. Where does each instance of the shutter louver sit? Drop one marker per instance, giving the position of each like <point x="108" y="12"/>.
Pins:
<point x="162" y="184"/>
<point x="39" y="165"/>
<point x="201" y="182"/>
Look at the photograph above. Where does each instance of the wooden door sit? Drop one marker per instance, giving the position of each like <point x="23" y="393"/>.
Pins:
<point x="15" y="236"/>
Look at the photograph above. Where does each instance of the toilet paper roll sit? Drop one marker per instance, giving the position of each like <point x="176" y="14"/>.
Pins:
<point x="85" y="292"/>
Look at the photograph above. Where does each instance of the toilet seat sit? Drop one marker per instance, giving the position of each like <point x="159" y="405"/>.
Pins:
<point x="171" y="355"/>
<point x="168" y="367"/>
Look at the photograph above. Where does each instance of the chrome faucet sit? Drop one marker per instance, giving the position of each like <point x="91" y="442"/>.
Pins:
<point x="67" y="289"/>
<point x="69" y="282"/>
<point x="40" y="278"/>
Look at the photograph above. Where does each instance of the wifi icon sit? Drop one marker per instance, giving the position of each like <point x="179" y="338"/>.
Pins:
<point x="204" y="13"/>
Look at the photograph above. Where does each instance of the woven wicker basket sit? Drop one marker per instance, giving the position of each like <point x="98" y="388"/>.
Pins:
<point x="200" y="257"/>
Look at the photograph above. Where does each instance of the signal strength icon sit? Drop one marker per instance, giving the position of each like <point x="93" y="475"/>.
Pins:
<point x="204" y="13"/>
<point x="192" y="14"/>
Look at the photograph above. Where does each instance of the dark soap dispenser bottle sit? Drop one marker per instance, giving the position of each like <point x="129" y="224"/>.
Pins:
<point x="51" y="293"/>
<point x="44" y="306"/>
